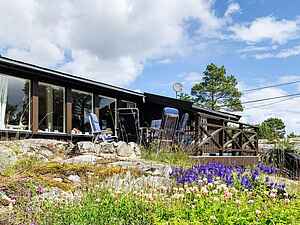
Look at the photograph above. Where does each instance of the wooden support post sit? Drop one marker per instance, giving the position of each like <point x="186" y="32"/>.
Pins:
<point x="256" y="141"/>
<point x="221" y="139"/>
<point x="240" y="140"/>
<point x="34" y="106"/>
<point x="69" y="103"/>
<point x="96" y="105"/>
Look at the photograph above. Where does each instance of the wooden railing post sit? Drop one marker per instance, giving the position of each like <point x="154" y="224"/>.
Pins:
<point x="221" y="139"/>
<point x="240" y="140"/>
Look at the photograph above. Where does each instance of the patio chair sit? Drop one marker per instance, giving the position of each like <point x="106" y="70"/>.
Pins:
<point x="168" y="126"/>
<point x="99" y="134"/>
<point x="180" y="132"/>
<point x="129" y="124"/>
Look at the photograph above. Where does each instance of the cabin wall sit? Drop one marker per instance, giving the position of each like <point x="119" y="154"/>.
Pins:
<point x="37" y="78"/>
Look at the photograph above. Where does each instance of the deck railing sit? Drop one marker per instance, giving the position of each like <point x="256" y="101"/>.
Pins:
<point x="231" y="136"/>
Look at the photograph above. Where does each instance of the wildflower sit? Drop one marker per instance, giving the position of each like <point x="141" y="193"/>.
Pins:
<point x="286" y="201"/>
<point x="258" y="212"/>
<point x="274" y="190"/>
<point x="238" y="202"/>
<point x="246" y="182"/>
<point x="210" y="185"/>
<point x="251" y="201"/>
<point x="204" y="190"/>
<point x="39" y="190"/>
<point x="273" y="194"/>
<point x="177" y="196"/>
<point x="227" y="195"/>
<point x="215" y="199"/>
<point x="213" y="217"/>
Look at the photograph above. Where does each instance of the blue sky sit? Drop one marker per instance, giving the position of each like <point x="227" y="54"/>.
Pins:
<point x="148" y="45"/>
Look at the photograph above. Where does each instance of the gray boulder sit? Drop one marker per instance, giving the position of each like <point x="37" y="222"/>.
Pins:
<point x="124" y="150"/>
<point x="88" y="158"/>
<point x="7" y="158"/>
<point x="136" y="148"/>
<point x="106" y="147"/>
<point x="74" y="178"/>
<point x="85" y="147"/>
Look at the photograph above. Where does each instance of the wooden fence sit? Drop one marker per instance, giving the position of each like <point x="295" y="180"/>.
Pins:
<point x="229" y="137"/>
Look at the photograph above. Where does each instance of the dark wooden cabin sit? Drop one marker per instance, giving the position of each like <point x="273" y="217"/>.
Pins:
<point x="37" y="102"/>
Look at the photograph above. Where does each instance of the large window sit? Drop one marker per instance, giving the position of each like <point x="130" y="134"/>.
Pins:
<point x="82" y="106"/>
<point x="51" y="108"/>
<point x="107" y="113"/>
<point x="14" y="103"/>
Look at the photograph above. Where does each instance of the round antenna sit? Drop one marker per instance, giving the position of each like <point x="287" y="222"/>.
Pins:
<point x="177" y="87"/>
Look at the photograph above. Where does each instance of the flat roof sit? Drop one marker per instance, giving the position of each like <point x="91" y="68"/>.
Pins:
<point x="189" y="106"/>
<point x="166" y="100"/>
<point x="66" y="75"/>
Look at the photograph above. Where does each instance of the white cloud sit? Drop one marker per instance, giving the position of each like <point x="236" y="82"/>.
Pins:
<point x="109" y="40"/>
<point x="281" y="108"/>
<point x="251" y="48"/>
<point x="266" y="28"/>
<point x="232" y="8"/>
<point x="284" y="53"/>
<point x="190" y="78"/>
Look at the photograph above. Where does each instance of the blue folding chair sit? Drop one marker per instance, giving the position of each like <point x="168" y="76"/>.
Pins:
<point x="99" y="135"/>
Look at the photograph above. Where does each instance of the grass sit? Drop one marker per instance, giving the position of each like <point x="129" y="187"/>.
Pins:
<point x="178" y="158"/>
<point x="99" y="207"/>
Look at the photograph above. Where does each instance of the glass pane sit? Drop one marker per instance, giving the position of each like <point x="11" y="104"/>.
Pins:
<point x="51" y="108"/>
<point x="14" y="102"/>
<point x="107" y="111"/>
<point x="82" y="106"/>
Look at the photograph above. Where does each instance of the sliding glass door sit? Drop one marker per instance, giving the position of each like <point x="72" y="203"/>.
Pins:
<point x="107" y="113"/>
<point x="14" y="103"/>
<point x="51" y="108"/>
<point x="82" y="106"/>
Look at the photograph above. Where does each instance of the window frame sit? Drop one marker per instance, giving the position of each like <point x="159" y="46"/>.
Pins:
<point x="29" y="125"/>
<point x="64" y="108"/>
<point x="116" y="110"/>
<point x="93" y="109"/>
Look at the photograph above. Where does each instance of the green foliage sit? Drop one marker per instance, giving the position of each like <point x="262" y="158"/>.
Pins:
<point x="292" y="135"/>
<point x="185" y="97"/>
<point x="178" y="158"/>
<point x="217" y="90"/>
<point x="286" y="145"/>
<point x="272" y="129"/>
<point x="101" y="207"/>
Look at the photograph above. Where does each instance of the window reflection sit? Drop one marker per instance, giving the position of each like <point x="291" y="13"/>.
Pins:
<point x="107" y="113"/>
<point x="14" y="103"/>
<point x="82" y="106"/>
<point x="51" y="108"/>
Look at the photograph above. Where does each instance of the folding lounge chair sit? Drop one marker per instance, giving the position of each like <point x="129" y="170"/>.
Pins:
<point x="99" y="135"/>
<point x="168" y="126"/>
<point x="180" y="133"/>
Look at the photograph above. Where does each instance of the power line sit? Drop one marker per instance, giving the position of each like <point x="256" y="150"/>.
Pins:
<point x="273" y="103"/>
<point x="264" y="99"/>
<point x="271" y="86"/>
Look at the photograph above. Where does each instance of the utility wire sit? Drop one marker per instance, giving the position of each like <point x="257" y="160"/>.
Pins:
<point x="271" y="86"/>
<point x="264" y="99"/>
<point x="273" y="103"/>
